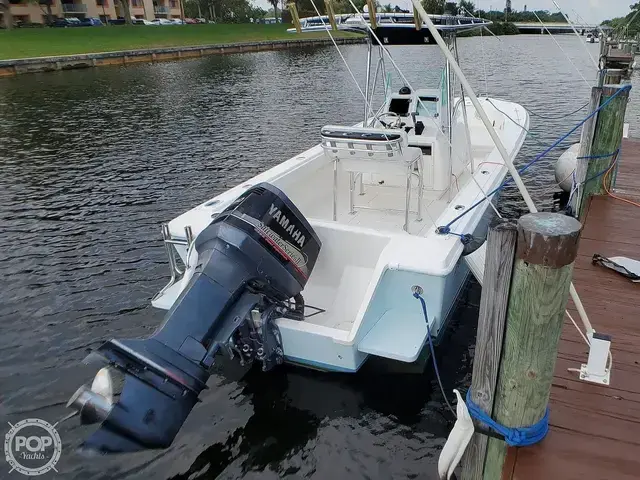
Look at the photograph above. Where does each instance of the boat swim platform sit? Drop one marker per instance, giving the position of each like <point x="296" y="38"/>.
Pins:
<point x="594" y="430"/>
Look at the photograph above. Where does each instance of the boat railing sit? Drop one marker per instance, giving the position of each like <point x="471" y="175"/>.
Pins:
<point x="170" y="243"/>
<point x="372" y="150"/>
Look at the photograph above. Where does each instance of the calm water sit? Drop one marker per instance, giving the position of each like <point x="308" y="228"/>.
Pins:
<point x="91" y="162"/>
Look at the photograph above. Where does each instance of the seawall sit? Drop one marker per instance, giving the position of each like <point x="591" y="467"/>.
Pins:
<point x="9" y="68"/>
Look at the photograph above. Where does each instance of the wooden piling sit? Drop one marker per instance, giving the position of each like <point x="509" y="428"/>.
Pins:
<point x="295" y="18"/>
<point x="601" y="136"/>
<point x="417" y="19"/>
<point x="547" y="246"/>
<point x="373" y="19"/>
<point x="501" y="245"/>
<point x="328" y="4"/>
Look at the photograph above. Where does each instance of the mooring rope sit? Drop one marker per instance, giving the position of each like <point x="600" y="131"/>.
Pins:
<point x="447" y="228"/>
<point x="417" y="295"/>
<point x="513" y="436"/>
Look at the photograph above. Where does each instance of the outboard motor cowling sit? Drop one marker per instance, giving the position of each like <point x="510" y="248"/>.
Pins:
<point x="254" y="260"/>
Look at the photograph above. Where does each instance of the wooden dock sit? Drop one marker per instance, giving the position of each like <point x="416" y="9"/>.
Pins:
<point x="595" y="430"/>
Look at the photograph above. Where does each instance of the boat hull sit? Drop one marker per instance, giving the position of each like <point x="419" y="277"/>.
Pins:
<point x="363" y="279"/>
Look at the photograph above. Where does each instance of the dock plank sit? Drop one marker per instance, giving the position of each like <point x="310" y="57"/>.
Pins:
<point x="594" y="429"/>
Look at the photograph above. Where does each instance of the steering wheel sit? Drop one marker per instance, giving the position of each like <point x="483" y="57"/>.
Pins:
<point x="390" y="124"/>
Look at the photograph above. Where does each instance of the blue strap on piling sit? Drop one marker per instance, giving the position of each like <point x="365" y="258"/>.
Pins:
<point x="597" y="175"/>
<point x="446" y="229"/>
<point x="593" y="157"/>
<point x="514" y="437"/>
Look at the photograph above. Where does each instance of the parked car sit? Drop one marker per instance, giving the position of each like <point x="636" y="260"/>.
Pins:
<point x="67" y="22"/>
<point x="91" y="22"/>
<point x="201" y="20"/>
<point x="162" y="21"/>
<point x="177" y="21"/>
<point x="190" y="21"/>
<point x="141" y="21"/>
<point x="28" y="24"/>
<point x="117" y="21"/>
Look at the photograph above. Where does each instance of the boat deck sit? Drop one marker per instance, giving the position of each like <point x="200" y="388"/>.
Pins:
<point x="595" y="430"/>
<point x="382" y="208"/>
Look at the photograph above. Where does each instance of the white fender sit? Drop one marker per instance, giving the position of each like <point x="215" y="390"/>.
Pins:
<point x="566" y="165"/>
<point x="457" y="442"/>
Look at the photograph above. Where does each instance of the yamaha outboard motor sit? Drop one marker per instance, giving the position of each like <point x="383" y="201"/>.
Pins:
<point x="253" y="263"/>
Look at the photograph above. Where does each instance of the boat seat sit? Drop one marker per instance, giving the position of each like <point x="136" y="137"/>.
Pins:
<point x="372" y="151"/>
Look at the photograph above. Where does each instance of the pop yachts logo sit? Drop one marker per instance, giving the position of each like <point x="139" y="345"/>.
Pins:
<point x="32" y="447"/>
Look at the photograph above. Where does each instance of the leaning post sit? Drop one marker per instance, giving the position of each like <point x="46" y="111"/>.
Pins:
<point x="547" y="246"/>
<point x="601" y="139"/>
<point x="295" y="18"/>
<point x="501" y="246"/>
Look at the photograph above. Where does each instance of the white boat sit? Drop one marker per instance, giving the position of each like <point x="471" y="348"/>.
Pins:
<point x="318" y="260"/>
<point x="591" y="38"/>
<point x="368" y="263"/>
<point x="393" y="20"/>
<point x="374" y="248"/>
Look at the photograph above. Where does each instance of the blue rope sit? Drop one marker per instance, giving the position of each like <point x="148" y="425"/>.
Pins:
<point x="599" y="174"/>
<point x="599" y="156"/>
<point x="514" y="437"/>
<point x="433" y="352"/>
<point x="446" y="229"/>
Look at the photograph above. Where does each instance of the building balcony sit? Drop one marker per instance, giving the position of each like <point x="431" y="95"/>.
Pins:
<point x="161" y="9"/>
<point x="74" y="8"/>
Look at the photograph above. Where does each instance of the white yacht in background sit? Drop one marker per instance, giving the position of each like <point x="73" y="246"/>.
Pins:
<point x="592" y="38"/>
<point x="316" y="261"/>
<point x="400" y="20"/>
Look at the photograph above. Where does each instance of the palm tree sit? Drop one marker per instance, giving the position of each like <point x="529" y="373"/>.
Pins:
<point x="126" y="12"/>
<point x="274" y="4"/>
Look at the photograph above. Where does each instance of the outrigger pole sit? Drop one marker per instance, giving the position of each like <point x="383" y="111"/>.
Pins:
<point x="496" y="139"/>
<point x="476" y="103"/>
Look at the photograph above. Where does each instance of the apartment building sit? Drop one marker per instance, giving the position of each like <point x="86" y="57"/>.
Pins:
<point x="105" y="10"/>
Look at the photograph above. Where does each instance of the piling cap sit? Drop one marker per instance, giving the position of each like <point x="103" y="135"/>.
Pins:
<point x="548" y="239"/>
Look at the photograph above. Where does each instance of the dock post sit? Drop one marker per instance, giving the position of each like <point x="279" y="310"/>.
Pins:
<point x="501" y="246"/>
<point x="601" y="136"/>
<point x="547" y="245"/>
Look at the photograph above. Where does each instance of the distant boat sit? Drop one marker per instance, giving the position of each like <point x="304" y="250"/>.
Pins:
<point x="591" y="38"/>
<point x="388" y="22"/>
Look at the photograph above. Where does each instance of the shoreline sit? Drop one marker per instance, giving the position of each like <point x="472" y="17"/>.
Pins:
<point x="21" y="66"/>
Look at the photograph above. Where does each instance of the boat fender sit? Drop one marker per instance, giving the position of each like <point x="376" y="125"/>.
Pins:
<point x="565" y="166"/>
<point x="457" y="441"/>
<point x="471" y="244"/>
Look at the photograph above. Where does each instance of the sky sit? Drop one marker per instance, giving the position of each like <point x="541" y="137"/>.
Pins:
<point x="592" y="11"/>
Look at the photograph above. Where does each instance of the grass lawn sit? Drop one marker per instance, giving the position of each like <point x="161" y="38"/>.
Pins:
<point x="43" y="42"/>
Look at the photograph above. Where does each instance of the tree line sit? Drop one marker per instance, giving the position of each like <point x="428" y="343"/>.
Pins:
<point x="241" y="11"/>
<point x="629" y="25"/>
<point x="437" y="7"/>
